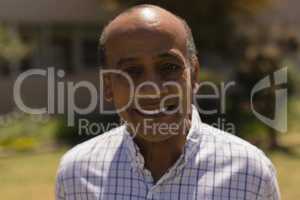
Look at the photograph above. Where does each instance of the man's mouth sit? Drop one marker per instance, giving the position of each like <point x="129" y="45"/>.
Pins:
<point x="152" y="111"/>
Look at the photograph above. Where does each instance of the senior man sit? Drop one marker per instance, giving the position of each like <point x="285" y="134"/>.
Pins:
<point x="163" y="150"/>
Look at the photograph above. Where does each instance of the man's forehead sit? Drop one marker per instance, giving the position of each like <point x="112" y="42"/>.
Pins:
<point x="170" y="54"/>
<point x="139" y="45"/>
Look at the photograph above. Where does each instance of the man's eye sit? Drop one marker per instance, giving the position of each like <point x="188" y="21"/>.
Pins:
<point x="170" y="67"/>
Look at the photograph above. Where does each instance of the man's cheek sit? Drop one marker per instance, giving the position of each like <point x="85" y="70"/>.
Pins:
<point x="123" y="101"/>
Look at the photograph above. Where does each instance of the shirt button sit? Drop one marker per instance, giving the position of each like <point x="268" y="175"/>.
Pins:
<point x="149" y="195"/>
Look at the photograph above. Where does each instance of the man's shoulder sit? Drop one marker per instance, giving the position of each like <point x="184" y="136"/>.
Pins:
<point x="219" y="137"/>
<point x="240" y="159"/>
<point x="236" y="149"/>
<point x="93" y="148"/>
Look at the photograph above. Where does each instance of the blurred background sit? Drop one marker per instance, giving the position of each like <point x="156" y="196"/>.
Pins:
<point x="237" y="40"/>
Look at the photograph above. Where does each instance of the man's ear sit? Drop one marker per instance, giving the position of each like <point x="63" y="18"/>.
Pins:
<point x="108" y="94"/>
<point x="195" y="71"/>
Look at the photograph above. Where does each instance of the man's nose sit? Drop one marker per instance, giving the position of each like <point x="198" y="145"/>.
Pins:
<point x="152" y="87"/>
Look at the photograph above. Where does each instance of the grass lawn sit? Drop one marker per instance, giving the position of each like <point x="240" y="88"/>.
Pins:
<point x="32" y="177"/>
<point x="288" y="174"/>
<point x="29" y="177"/>
<point x="287" y="166"/>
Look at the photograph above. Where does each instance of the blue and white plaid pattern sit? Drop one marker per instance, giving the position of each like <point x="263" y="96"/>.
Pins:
<point x="214" y="165"/>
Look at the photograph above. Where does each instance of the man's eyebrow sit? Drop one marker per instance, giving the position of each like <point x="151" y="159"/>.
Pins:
<point x="169" y="55"/>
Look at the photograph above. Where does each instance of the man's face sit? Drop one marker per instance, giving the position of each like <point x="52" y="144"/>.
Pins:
<point x="157" y="63"/>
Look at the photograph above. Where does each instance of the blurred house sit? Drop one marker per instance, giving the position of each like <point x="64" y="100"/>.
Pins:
<point x="63" y="34"/>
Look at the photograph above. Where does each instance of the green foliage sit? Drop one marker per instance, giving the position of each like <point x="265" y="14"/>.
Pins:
<point x="21" y="143"/>
<point x="20" y="132"/>
<point x="255" y="132"/>
<point x="12" y="48"/>
<point x="72" y="136"/>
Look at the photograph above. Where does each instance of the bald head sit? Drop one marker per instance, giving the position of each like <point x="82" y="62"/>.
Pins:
<point x="147" y="19"/>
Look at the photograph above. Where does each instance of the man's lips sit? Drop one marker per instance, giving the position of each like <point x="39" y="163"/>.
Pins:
<point x="153" y="110"/>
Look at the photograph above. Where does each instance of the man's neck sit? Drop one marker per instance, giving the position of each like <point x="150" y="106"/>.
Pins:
<point x="160" y="156"/>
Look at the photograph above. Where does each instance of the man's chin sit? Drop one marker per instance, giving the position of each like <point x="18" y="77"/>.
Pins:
<point x="155" y="138"/>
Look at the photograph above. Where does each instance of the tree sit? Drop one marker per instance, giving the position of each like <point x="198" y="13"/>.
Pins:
<point x="12" y="48"/>
<point x="261" y="59"/>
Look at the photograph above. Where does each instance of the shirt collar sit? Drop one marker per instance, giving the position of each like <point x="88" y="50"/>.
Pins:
<point x="192" y="142"/>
